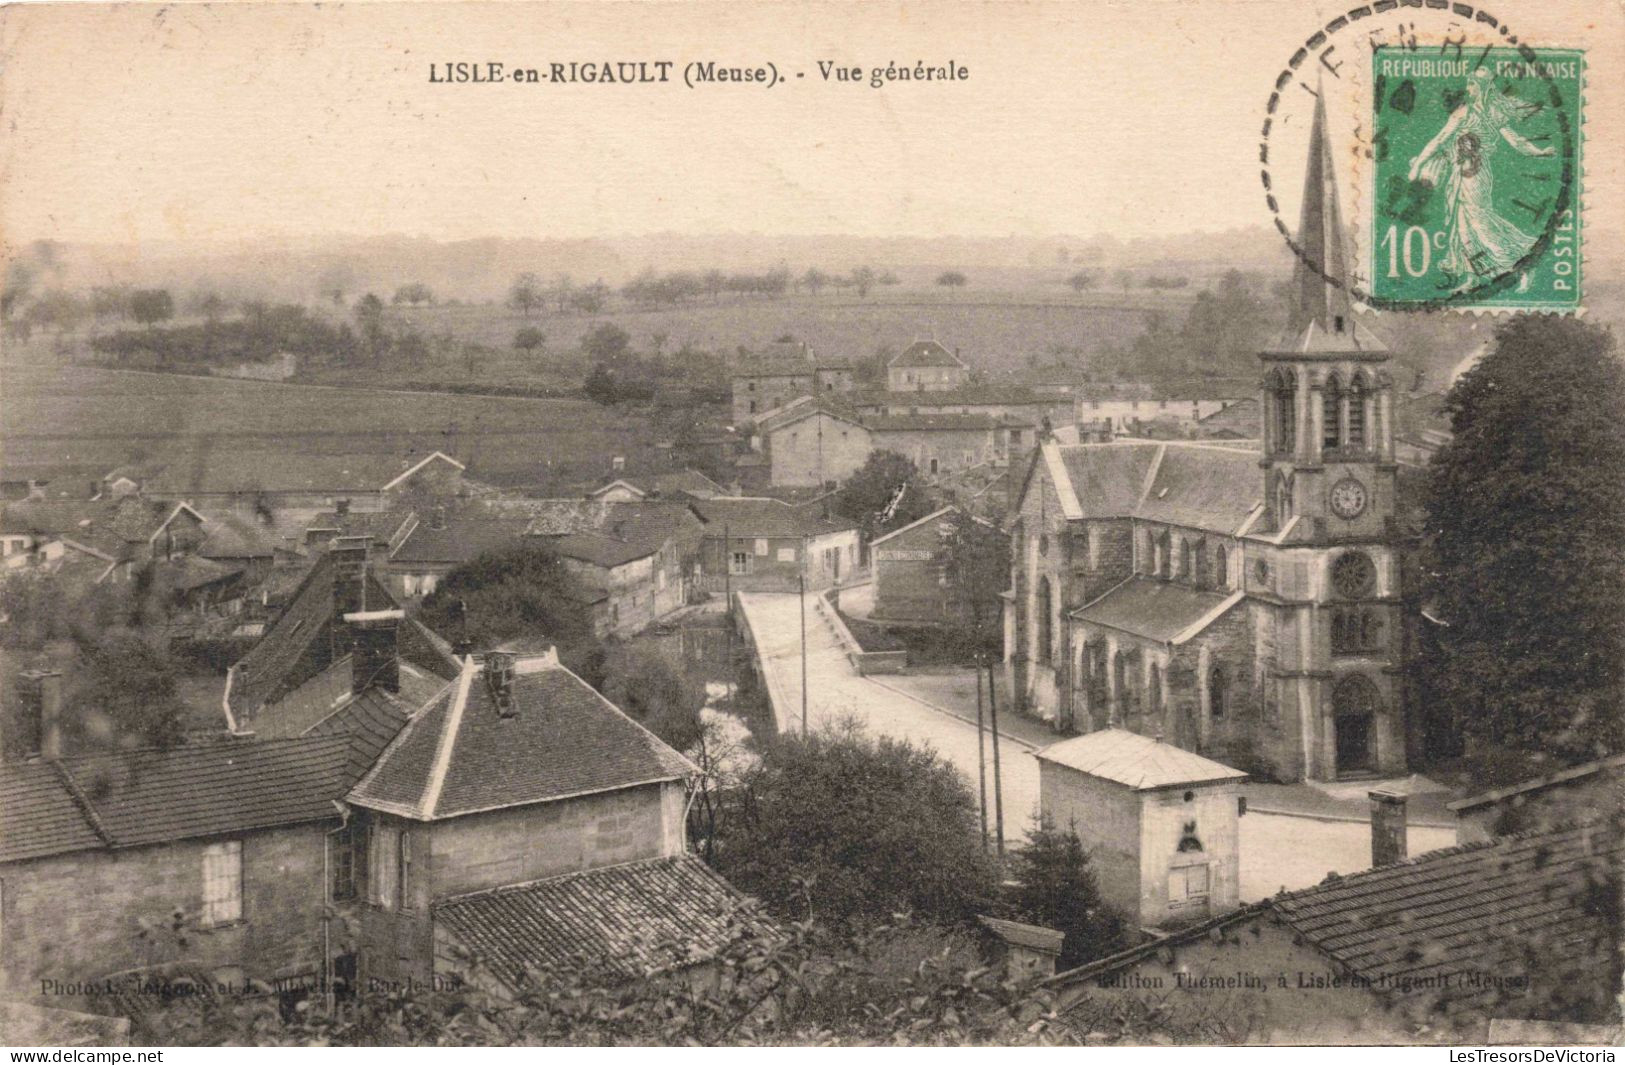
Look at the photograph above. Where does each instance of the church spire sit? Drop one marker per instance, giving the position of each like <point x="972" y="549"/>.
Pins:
<point x="1321" y="317"/>
<point x="1320" y="240"/>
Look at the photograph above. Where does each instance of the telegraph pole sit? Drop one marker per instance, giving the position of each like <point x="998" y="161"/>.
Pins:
<point x="981" y="758"/>
<point x="802" y="585"/>
<point x="728" y="613"/>
<point x="998" y="790"/>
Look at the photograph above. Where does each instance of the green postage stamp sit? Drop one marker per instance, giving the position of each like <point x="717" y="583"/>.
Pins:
<point x="1477" y="167"/>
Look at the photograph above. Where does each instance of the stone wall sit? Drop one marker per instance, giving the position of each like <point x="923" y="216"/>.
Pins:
<point x="82" y="916"/>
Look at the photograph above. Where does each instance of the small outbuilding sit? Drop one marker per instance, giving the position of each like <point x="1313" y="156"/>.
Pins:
<point x="1160" y="823"/>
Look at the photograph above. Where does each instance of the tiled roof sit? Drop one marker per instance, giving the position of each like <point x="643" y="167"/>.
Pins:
<point x="136" y="798"/>
<point x="925" y="353"/>
<point x="108" y="525"/>
<point x="231" y="535"/>
<point x="1153" y="609"/>
<point x="297" y="645"/>
<point x="754" y="516"/>
<point x="637" y="919"/>
<point x="1109" y="479"/>
<point x="190" y="572"/>
<point x="602" y="551"/>
<point x="461" y="755"/>
<point x="1469" y="909"/>
<point x="371" y="721"/>
<point x="459" y="539"/>
<point x="1140" y="762"/>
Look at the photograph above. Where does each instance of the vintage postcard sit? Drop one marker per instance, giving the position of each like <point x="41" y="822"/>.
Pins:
<point x="812" y="524"/>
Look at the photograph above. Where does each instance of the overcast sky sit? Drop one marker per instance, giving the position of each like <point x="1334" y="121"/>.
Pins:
<point x="143" y="123"/>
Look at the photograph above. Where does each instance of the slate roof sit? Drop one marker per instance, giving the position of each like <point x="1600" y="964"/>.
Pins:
<point x="460" y="755"/>
<point x="638" y="919"/>
<point x="135" y="798"/>
<point x="756" y="516"/>
<point x="1154" y="609"/>
<point x="297" y="645"/>
<point x="1199" y="485"/>
<point x="1468" y="909"/>
<point x="925" y="353"/>
<point x="1140" y="762"/>
<point x="371" y="721"/>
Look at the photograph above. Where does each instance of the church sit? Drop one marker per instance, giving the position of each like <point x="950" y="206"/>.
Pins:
<point x="1252" y="605"/>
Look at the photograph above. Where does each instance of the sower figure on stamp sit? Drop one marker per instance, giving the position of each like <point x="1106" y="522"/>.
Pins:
<point x="1480" y="241"/>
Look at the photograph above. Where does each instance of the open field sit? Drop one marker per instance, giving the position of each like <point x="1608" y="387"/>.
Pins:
<point x="993" y="331"/>
<point x="96" y="418"/>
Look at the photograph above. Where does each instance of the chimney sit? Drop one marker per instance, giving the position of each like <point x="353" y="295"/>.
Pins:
<point x="1387" y="828"/>
<point x="349" y="555"/>
<point x="499" y="679"/>
<point x="374" y="647"/>
<point x="437" y="516"/>
<point x="618" y="463"/>
<point x="41" y="692"/>
<point x="342" y="507"/>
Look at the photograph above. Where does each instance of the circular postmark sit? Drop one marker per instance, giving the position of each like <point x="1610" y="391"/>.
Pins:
<point x="1462" y="142"/>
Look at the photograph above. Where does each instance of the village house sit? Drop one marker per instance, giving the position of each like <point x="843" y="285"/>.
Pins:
<point x="756" y="544"/>
<point x="306" y="485"/>
<point x="1252" y="605"/>
<point x="210" y="857"/>
<point x="785" y="371"/>
<point x="912" y="581"/>
<point x="123" y="534"/>
<point x="1438" y="949"/>
<point x="1557" y="798"/>
<point x="517" y="776"/>
<point x="1138" y="415"/>
<point x="925" y="366"/>
<point x="814" y="444"/>
<point x="991" y="400"/>
<point x="943" y="444"/>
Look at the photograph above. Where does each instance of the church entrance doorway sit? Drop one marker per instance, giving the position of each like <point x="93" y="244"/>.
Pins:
<point x="1354" y="710"/>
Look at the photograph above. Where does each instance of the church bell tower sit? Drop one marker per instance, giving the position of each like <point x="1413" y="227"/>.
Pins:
<point x="1330" y="491"/>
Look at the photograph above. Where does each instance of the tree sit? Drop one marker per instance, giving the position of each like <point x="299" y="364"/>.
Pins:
<point x="607" y="343"/>
<point x="126" y="690"/>
<point x="1056" y="889"/>
<point x="1081" y="280"/>
<point x="863" y="279"/>
<point x="1524" y="572"/>
<point x="851" y="830"/>
<point x="522" y="590"/>
<point x="885" y="493"/>
<point x="149" y="306"/>
<point x="590" y="300"/>
<point x="369" y="315"/>
<point x="526" y="293"/>
<point x="651" y="689"/>
<point x="951" y="279"/>
<point x="415" y="293"/>
<point x="977" y="569"/>
<point x="529" y="340"/>
<point x="815" y="280"/>
<point x="110" y="301"/>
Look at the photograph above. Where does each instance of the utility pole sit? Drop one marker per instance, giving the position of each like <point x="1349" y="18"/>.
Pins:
<point x="998" y="790"/>
<point x="981" y="758"/>
<point x="802" y="585"/>
<point x="728" y="613"/>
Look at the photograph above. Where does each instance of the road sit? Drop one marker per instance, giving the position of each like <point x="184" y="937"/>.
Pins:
<point x="1277" y="850"/>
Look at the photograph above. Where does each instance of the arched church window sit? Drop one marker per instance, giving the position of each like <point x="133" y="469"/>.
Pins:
<point x="1187" y="560"/>
<point x="1283" y="500"/>
<point x="1218" y="693"/>
<point x="1200" y="572"/>
<point x="1046" y="628"/>
<point x="1154" y="693"/>
<point x="1221" y="567"/>
<point x="1331" y="409"/>
<point x="1357" y="402"/>
<point x="1286" y="411"/>
<point x="1163" y="552"/>
<point x="1354" y="575"/>
<point x="1370" y="630"/>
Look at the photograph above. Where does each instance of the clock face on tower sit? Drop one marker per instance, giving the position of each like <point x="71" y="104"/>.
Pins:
<point x="1348" y="498"/>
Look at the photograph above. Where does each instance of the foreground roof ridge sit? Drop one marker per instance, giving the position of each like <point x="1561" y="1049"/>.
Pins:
<point x="448" y="739"/>
<point x="82" y="801"/>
